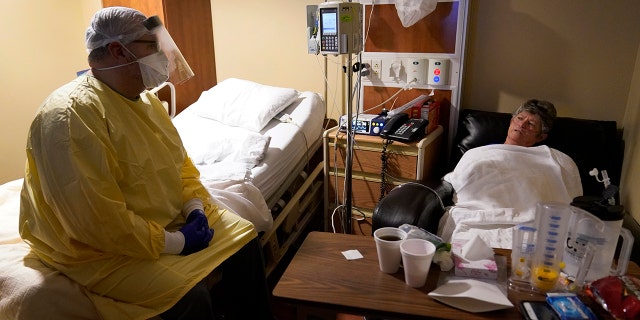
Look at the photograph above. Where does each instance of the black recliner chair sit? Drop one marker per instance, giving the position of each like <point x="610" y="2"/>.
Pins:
<point x="590" y="143"/>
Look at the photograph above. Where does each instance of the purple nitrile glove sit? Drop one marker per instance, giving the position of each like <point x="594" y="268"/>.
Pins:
<point x="196" y="231"/>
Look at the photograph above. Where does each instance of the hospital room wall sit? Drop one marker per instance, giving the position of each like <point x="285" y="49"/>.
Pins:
<point x="42" y="48"/>
<point x="265" y="41"/>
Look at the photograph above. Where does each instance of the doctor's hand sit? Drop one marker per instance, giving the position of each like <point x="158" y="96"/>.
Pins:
<point x="196" y="231"/>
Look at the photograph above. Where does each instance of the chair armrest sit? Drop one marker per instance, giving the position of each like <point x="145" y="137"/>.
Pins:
<point x="421" y="204"/>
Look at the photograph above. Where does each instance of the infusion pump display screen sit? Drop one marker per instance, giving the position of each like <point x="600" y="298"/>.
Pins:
<point x="329" y="20"/>
<point x="329" y="29"/>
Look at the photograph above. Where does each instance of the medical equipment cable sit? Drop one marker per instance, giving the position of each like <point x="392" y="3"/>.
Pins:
<point x="332" y="110"/>
<point x="339" y="207"/>
<point x="405" y="87"/>
<point x="366" y="34"/>
<point x="430" y="189"/>
<point x="383" y="171"/>
<point x="304" y="136"/>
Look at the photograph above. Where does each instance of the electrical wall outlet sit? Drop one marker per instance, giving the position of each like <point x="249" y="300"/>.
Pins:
<point x="376" y="69"/>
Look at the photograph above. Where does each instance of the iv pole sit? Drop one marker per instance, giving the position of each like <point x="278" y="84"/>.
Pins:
<point x="314" y="46"/>
<point x="346" y="217"/>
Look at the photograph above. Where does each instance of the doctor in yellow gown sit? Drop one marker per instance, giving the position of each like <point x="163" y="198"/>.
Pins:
<point x="107" y="179"/>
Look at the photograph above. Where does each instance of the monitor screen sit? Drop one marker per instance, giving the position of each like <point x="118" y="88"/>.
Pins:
<point x="329" y="20"/>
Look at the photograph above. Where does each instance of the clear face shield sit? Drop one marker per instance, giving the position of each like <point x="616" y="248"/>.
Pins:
<point x="179" y="70"/>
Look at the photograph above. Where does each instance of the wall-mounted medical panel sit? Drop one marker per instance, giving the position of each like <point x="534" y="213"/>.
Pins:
<point x="412" y="70"/>
<point x="423" y="58"/>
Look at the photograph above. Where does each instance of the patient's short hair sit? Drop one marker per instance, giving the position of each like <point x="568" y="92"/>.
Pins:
<point x="544" y="109"/>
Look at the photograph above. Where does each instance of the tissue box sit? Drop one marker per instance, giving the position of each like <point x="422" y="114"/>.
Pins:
<point x="482" y="269"/>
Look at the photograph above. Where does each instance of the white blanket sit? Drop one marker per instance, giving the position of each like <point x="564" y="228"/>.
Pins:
<point x="498" y="186"/>
<point x="28" y="288"/>
<point x="244" y="199"/>
<point x="213" y="144"/>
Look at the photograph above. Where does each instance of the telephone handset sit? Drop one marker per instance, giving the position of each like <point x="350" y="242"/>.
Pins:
<point x="399" y="127"/>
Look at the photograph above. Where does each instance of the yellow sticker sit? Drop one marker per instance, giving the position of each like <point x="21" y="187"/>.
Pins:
<point x="345" y="18"/>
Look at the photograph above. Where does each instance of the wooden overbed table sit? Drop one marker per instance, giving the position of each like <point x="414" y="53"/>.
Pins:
<point x="320" y="278"/>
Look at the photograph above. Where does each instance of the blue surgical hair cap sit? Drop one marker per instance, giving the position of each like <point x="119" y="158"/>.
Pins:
<point x="114" y="24"/>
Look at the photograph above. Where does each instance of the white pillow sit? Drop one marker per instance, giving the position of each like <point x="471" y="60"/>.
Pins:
<point x="243" y="103"/>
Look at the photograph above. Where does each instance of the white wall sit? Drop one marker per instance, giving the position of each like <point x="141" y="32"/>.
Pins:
<point x="630" y="185"/>
<point x="578" y="54"/>
<point x="264" y="41"/>
<point x="42" y="48"/>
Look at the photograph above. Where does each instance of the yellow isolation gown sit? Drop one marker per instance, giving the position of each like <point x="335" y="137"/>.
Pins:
<point x="105" y="176"/>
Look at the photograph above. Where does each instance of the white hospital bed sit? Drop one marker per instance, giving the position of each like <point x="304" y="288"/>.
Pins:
<point x="247" y="121"/>
<point x="29" y="289"/>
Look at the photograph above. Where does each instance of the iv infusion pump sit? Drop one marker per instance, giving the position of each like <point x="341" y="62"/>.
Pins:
<point x="334" y="28"/>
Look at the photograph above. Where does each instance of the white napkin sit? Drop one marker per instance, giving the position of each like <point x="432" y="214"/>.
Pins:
<point x="471" y="295"/>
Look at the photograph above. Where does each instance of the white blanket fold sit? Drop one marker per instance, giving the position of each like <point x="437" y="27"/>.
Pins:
<point x="244" y="199"/>
<point x="498" y="187"/>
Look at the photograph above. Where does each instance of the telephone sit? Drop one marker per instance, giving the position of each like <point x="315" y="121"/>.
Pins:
<point x="399" y="127"/>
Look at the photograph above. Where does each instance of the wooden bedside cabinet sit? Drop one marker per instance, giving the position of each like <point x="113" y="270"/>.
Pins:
<point x="405" y="162"/>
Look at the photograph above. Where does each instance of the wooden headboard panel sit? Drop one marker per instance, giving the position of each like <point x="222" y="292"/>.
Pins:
<point x="435" y="33"/>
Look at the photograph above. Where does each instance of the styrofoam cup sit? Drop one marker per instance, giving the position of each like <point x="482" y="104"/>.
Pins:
<point x="388" y="241"/>
<point x="417" y="255"/>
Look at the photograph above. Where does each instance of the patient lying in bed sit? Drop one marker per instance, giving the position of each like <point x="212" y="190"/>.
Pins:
<point x="498" y="186"/>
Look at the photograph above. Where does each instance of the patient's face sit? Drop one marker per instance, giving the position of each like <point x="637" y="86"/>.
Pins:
<point x="525" y="130"/>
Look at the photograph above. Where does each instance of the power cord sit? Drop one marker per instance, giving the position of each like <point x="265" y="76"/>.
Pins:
<point x="340" y="207"/>
<point x="430" y="189"/>
<point x="286" y="118"/>
<point x="384" y="157"/>
<point x="405" y="87"/>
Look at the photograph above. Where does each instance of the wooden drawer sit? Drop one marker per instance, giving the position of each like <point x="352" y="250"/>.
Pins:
<point x="369" y="160"/>
<point x="415" y="160"/>
<point x="365" y="190"/>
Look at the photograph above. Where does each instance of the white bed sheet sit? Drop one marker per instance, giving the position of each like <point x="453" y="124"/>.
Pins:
<point x="289" y="143"/>
<point x="28" y="288"/>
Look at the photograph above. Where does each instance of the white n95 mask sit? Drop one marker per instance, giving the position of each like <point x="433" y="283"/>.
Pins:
<point x="154" y="69"/>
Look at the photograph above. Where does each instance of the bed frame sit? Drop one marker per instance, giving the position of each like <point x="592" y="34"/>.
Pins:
<point x="305" y="203"/>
